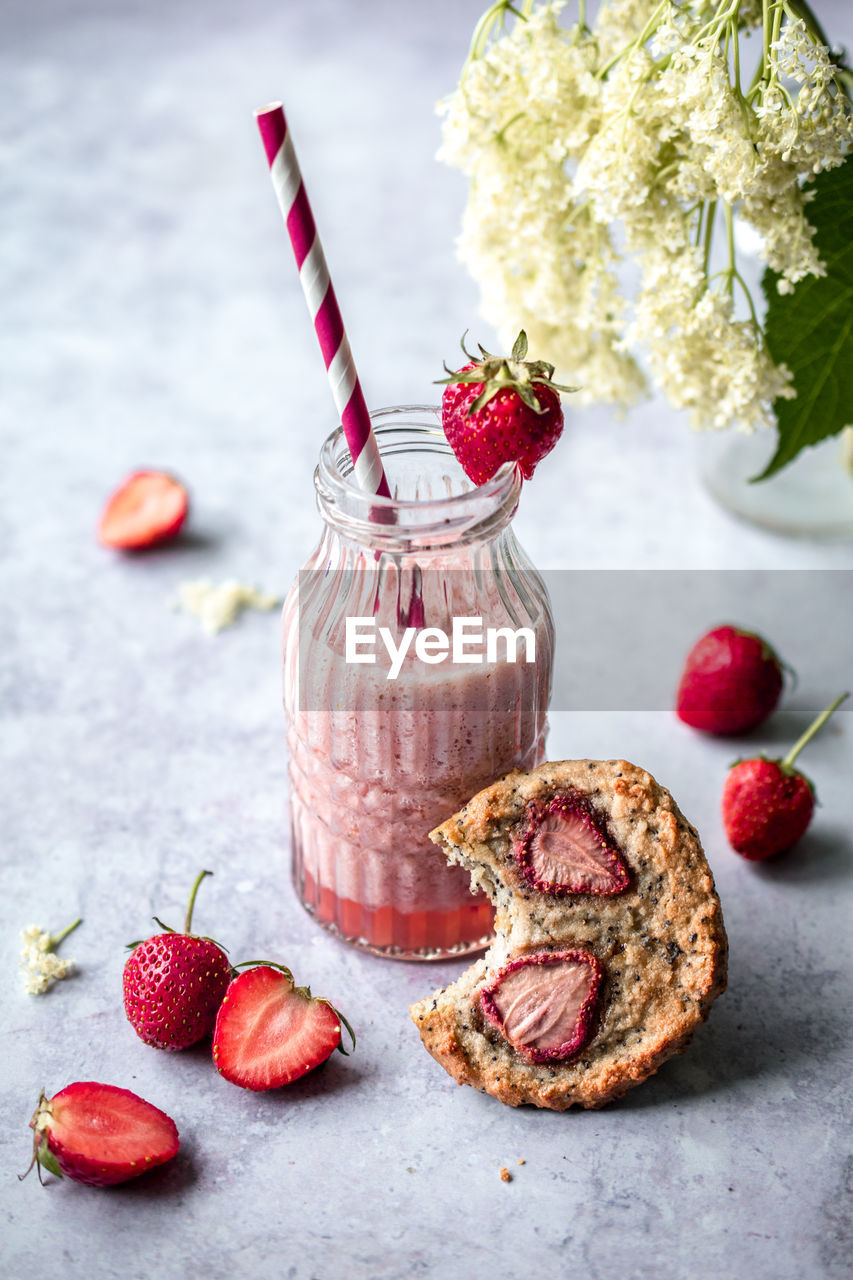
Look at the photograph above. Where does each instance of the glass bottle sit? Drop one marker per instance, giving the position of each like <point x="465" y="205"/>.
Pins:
<point x="376" y="760"/>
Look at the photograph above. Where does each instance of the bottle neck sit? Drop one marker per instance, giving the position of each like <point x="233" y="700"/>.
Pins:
<point x="434" y="509"/>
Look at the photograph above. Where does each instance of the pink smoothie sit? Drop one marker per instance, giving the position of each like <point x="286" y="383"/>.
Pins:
<point x="375" y="765"/>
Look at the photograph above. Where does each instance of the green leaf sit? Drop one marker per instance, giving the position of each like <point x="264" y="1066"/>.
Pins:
<point x="811" y="329"/>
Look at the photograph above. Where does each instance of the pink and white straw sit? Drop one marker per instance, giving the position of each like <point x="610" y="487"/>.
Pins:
<point x="322" y="303"/>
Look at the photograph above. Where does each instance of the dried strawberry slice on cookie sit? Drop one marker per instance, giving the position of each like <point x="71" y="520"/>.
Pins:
<point x="565" y="849"/>
<point x="544" y="1004"/>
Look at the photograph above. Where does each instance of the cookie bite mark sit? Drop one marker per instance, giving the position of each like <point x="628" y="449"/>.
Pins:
<point x="544" y="1004"/>
<point x="565" y="849"/>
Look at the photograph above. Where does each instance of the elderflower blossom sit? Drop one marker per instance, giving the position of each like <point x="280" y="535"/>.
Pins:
<point x="542" y="260"/>
<point x="38" y="961"/>
<point x="638" y="139"/>
<point x="707" y="362"/>
<point x="816" y="131"/>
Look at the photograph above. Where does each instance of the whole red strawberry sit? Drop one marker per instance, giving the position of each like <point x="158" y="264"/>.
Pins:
<point x="732" y="681"/>
<point x="100" y="1134"/>
<point x="174" y="984"/>
<point x="498" y="409"/>
<point x="270" y="1032"/>
<point x="768" y="804"/>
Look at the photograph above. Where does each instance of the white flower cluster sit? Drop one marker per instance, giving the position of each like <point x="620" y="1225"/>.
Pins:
<point x="39" y="963"/>
<point x="603" y="159"/>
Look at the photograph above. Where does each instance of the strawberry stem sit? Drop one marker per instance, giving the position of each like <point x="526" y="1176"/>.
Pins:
<point x="814" y="727"/>
<point x="191" y="904"/>
<point x="56" y="938"/>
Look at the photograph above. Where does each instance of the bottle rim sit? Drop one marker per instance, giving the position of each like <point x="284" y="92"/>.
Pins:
<point x="478" y="510"/>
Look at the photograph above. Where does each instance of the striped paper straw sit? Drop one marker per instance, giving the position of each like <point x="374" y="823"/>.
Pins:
<point x="322" y="303"/>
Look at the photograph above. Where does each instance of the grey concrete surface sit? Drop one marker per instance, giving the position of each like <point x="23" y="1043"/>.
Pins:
<point x="151" y="316"/>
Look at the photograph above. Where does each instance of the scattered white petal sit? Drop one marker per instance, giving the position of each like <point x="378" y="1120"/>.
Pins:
<point x="218" y="605"/>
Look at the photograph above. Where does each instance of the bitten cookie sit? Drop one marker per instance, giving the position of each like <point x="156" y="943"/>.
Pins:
<point x="609" y="940"/>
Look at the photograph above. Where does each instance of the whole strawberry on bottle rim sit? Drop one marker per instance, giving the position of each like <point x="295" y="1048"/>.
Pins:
<point x="498" y="409"/>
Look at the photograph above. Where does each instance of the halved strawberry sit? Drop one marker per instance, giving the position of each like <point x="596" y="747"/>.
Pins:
<point x="269" y="1031"/>
<point x="543" y="1004"/>
<point x="148" y="507"/>
<point x="565" y="849"/>
<point x="100" y="1134"/>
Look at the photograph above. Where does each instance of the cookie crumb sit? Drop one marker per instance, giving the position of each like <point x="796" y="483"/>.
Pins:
<point x="506" y="1176"/>
<point x="521" y="1160"/>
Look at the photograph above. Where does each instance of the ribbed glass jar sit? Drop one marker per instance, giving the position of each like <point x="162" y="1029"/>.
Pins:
<point x="376" y="763"/>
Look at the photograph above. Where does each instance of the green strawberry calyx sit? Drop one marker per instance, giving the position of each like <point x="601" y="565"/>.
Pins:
<point x="43" y="1157"/>
<point x="501" y="373"/>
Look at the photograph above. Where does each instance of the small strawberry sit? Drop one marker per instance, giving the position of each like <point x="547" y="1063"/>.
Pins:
<point x="731" y="682"/>
<point x="768" y="804"/>
<point x="149" y="507"/>
<point x="497" y="409"/>
<point x="270" y="1032"/>
<point x="174" y="984"/>
<point x="100" y="1134"/>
